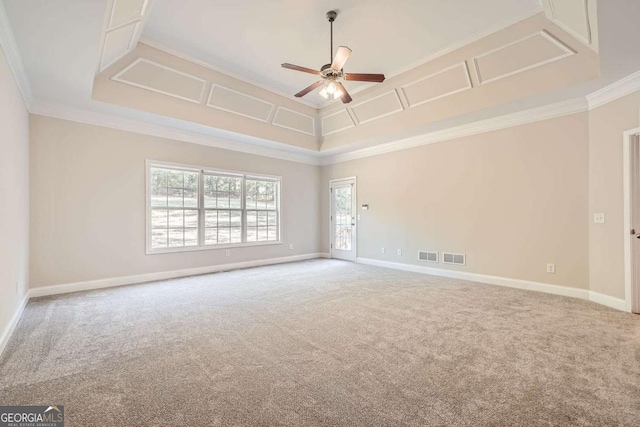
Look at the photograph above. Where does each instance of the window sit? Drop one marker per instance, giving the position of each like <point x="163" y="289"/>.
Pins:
<point x="192" y="208"/>
<point x="261" y="210"/>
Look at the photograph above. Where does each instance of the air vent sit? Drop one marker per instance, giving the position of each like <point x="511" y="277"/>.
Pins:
<point x="428" y="256"/>
<point x="458" y="259"/>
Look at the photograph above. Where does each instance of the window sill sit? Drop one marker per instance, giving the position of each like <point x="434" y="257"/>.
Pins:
<point x="210" y="248"/>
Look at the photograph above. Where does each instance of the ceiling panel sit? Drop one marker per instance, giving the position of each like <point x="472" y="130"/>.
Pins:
<point x="126" y="11"/>
<point x="162" y="79"/>
<point x="530" y="52"/>
<point x="336" y="122"/>
<point x="577" y="17"/>
<point x="438" y="85"/>
<point x="117" y="43"/>
<point x="377" y="107"/>
<point x="294" y="120"/>
<point x="239" y="103"/>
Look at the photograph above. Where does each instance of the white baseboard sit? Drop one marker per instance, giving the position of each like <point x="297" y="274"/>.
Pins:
<point x="617" y="303"/>
<point x="140" y="278"/>
<point x="164" y="275"/>
<point x="482" y="278"/>
<point x="596" y="297"/>
<point x="612" y="302"/>
<point x="8" y="331"/>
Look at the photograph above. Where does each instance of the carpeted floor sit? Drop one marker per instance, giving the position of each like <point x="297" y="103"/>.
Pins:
<point x="324" y="343"/>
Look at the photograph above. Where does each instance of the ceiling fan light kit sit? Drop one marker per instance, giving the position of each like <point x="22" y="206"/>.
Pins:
<point x="331" y="74"/>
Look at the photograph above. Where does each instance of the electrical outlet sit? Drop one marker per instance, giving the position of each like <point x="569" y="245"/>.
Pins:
<point x="551" y="268"/>
<point x="399" y="252"/>
<point x="227" y="252"/>
<point x="291" y="246"/>
<point x="598" y="218"/>
<point x="381" y="250"/>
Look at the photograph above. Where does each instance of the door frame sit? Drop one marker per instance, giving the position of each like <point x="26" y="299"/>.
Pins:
<point x="630" y="138"/>
<point x="354" y="243"/>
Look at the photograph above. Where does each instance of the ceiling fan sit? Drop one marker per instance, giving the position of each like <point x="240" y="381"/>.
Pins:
<point x="332" y="73"/>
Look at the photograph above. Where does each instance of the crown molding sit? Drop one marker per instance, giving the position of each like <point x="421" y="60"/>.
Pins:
<point x="614" y="91"/>
<point x="299" y="155"/>
<point x="246" y="145"/>
<point x="256" y="146"/>
<point x="12" y="53"/>
<point x="565" y="108"/>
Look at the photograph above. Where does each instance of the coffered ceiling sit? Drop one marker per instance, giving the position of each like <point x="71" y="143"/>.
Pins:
<point x="212" y="67"/>
<point x="250" y="39"/>
<point x="527" y="57"/>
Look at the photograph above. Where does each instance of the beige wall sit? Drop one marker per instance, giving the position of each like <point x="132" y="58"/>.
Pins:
<point x="88" y="203"/>
<point x="14" y="188"/>
<point x="606" y="241"/>
<point x="511" y="200"/>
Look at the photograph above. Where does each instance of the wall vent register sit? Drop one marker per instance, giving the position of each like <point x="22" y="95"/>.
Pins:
<point x="428" y="256"/>
<point x="458" y="259"/>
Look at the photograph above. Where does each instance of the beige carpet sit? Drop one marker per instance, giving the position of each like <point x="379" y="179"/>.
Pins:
<point x="324" y="343"/>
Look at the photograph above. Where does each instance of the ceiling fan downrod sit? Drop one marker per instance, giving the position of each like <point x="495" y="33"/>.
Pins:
<point x="331" y="16"/>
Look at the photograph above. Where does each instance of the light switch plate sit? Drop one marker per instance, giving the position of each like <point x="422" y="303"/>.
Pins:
<point x="598" y="218"/>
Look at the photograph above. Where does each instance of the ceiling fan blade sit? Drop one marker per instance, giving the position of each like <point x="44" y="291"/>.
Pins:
<point x="341" y="57"/>
<point x="346" y="98"/>
<point x="299" y="68"/>
<point x="308" y="89"/>
<point x="359" y="77"/>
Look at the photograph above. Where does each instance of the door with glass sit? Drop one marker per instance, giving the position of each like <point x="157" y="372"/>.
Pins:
<point x="634" y="151"/>
<point x="343" y="219"/>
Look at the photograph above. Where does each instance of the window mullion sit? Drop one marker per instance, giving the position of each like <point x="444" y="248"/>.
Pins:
<point x="277" y="203"/>
<point x="243" y="206"/>
<point x="201" y="210"/>
<point x="184" y="230"/>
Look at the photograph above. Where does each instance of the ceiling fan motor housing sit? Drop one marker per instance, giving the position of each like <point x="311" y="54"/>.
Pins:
<point x="326" y="71"/>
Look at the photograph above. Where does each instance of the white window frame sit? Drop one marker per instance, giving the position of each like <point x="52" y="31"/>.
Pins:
<point x="202" y="170"/>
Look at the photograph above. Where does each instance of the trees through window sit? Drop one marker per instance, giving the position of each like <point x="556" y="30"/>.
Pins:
<point x="191" y="208"/>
